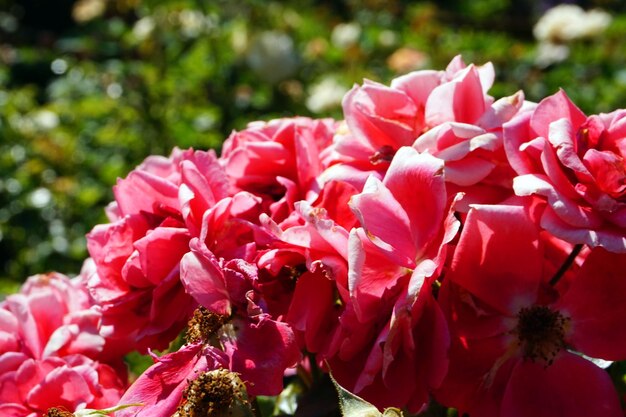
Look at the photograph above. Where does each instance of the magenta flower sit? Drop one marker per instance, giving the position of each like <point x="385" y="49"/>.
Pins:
<point x="517" y="340"/>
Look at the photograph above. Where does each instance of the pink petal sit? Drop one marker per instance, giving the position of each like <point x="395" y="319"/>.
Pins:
<point x="385" y="221"/>
<point x="312" y="310"/>
<point x="261" y="353"/>
<point x="203" y="278"/>
<point x="416" y="182"/>
<point x="571" y="386"/>
<point x="499" y="257"/>
<point x="15" y="410"/>
<point x="553" y="158"/>
<point x="468" y="171"/>
<point x="160" y="387"/>
<point x="501" y="111"/>
<point x="141" y="190"/>
<point x="568" y="210"/>
<point x="63" y="386"/>
<point x="418" y="84"/>
<point x="380" y="115"/>
<point x="594" y="303"/>
<point x="517" y="132"/>
<point x="608" y="171"/>
<point x="562" y="139"/>
<point x="461" y="100"/>
<point x="555" y="107"/>
<point x="606" y="236"/>
<point x="110" y="245"/>
<point x="370" y="274"/>
<point x="160" y="251"/>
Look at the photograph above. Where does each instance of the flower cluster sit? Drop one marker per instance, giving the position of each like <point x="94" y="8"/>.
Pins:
<point x="437" y="244"/>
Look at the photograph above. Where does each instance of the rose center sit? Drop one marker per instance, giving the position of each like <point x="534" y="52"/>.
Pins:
<point x="541" y="333"/>
<point x="58" y="412"/>
<point x="213" y="393"/>
<point x="203" y="326"/>
<point x="384" y="154"/>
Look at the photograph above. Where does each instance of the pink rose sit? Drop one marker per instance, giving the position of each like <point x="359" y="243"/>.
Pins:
<point x="159" y="207"/>
<point x="518" y="338"/>
<point x="51" y="315"/>
<point x="258" y="347"/>
<point x="49" y="347"/>
<point x="576" y="164"/>
<point x="278" y="161"/>
<point x="392" y="330"/>
<point x="446" y="113"/>
<point x="29" y="386"/>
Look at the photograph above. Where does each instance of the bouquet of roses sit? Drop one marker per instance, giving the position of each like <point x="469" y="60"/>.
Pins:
<point x="436" y="246"/>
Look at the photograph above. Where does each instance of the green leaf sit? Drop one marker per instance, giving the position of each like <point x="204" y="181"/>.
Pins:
<point x="354" y="406"/>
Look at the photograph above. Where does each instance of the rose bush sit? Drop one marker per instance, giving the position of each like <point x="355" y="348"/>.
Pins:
<point x="437" y="245"/>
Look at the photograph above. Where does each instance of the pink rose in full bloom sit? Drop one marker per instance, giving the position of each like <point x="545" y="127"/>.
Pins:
<point x="518" y="336"/>
<point x="29" y="386"/>
<point x="446" y="113"/>
<point x="392" y="330"/>
<point x="51" y="353"/>
<point x="307" y="266"/>
<point x="158" y="208"/>
<point x="51" y="315"/>
<point x="278" y="161"/>
<point x="575" y="163"/>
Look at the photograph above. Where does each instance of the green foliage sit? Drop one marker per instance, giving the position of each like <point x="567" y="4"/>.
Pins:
<point x="354" y="406"/>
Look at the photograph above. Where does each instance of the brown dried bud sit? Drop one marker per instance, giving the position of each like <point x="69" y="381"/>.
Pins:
<point x="217" y="393"/>
<point x="203" y="326"/>
<point x="58" y="412"/>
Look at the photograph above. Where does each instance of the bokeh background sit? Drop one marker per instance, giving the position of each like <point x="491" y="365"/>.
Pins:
<point x="89" y="88"/>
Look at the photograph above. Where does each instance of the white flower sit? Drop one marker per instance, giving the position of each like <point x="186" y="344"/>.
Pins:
<point x="86" y="10"/>
<point x="143" y="28"/>
<point x="46" y="119"/>
<point x="40" y="198"/>
<point x="325" y="95"/>
<point x="192" y="23"/>
<point x="346" y="35"/>
<point x="549" y="53"/>
<point x="567" y="22"/>
<point x="272" y="56"/>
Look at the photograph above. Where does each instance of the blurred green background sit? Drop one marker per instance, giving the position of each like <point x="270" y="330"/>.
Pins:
<point x="89" y="88"/>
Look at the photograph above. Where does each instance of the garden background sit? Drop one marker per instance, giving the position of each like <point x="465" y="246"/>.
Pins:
<point x="89" y="88"/>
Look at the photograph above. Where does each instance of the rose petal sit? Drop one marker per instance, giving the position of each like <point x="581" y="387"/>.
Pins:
<point x="571" y="386"/>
